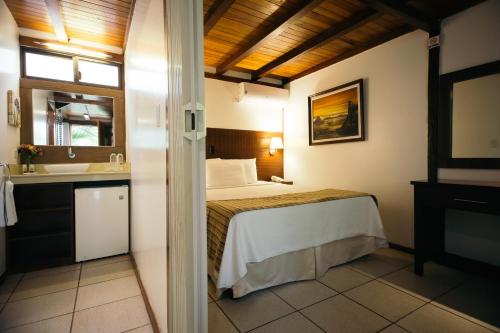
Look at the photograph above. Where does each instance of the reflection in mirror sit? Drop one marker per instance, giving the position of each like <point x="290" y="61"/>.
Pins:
<point x="72" y="119"/>
<point x="476" y="118"/>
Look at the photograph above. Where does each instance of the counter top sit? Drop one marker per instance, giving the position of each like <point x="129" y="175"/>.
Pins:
<point x="94" y="172"/>
<point x="69" y="177"/>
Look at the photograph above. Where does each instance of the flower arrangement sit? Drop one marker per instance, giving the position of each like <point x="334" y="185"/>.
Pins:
<point x="27" y="152"/>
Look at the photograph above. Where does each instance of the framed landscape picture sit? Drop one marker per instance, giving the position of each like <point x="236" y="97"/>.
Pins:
<point x="336" y="115"/>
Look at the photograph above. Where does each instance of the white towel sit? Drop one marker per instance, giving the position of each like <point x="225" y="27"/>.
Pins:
<point x="8" y="214"/>
<point x="3" y="220"/>
<point x="10" y="206"/>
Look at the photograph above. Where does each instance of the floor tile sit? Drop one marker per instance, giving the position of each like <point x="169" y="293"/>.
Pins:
<point x="105" y="261"/>
<point x="478" y="298"/>
<point x="118" y="316"/>
<point x="6" y="290"/>
<point x="343" y="278"/>
<point x="393" y="329"/>
<point x="37" y="308"/>
<point x="107" y="292"/>
<point x="436" y="281"/>
<point x="303" y="293"/>
<point x="341" y="315"/>
<point x="394" y="257"/>
<point x="388" y="302"/>
<point x="55" y="270"/>
<point x="209" y="298"/>
<point x="60" y="324"/>
<point x="218" y="322"/>
<point x="101" y="273"/>
<point x="143" y="329"/>
<point x="45" y="284"/>
<point x="431" y="319"/>
<point x="294" y="323"/>
<point x="372" y="266"/>
<point x="255" y="309"/>
<point x="13" y="278"/>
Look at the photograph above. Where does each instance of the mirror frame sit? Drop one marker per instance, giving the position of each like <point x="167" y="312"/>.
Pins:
<point x="59" y="154"/>
<point x="445" y="121"/>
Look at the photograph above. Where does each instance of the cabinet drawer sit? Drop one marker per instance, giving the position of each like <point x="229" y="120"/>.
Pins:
<point x="42" y="222"/>
<point x="43" y="196"/>
<point x="474" y="199"/>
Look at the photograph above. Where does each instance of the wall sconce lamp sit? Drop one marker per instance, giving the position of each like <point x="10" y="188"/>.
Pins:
<point x="276" y="143"/>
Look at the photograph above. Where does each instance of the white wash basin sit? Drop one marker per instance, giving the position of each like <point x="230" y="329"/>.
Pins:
<point x="67" y="168"/>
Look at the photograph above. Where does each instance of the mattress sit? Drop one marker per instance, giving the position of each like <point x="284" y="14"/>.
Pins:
<point x="255" y="236"/>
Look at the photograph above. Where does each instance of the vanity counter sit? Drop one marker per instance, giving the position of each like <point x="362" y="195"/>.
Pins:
<point x="44" y="178"/>
<point x="95" y="172"/>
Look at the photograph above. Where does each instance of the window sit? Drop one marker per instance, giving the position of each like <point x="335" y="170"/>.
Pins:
<point x="98" y="73"/>
<point x="46" y="65"/>
<point x="84" y="135"/>
<point x="49" y="66"/>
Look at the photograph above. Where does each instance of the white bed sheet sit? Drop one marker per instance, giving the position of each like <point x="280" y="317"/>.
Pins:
<point x="255" y="236"/>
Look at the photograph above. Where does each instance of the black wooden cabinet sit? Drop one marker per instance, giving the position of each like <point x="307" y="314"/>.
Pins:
<point x="430" y="201"/>
<point x="44" y="234"/>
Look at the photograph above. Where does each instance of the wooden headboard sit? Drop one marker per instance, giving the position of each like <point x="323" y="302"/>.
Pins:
<point x="231" y="143"/>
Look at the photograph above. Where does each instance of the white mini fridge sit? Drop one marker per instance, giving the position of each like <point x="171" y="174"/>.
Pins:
<point x="101" y="222"/>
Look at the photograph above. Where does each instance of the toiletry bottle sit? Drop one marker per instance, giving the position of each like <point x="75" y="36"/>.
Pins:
<point x="113" y="160"/>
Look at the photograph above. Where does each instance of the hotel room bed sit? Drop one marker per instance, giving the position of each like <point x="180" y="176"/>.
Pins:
<point x="268" y="247"/>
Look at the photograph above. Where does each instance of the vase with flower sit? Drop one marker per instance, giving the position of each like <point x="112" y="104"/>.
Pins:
<point x="26" y="153"/>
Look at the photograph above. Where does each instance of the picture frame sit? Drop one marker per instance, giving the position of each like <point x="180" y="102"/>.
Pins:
<point x="337" y="115"/>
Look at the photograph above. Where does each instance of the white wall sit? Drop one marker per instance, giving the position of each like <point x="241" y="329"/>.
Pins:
<point x="471" y="38"/>
<point x="223" y="112"/>
<point x="395" y="150"/>
<point x="9" y="80"/>
<point x="145" y="93"/>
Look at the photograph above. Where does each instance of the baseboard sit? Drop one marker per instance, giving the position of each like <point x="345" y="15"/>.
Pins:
<point x="402" y="248"/>
<point x="149" y="309"/>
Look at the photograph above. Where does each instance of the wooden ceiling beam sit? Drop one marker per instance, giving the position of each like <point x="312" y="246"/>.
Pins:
<point x="361" y="48"/>
<point x="335" y="32"/>
<point x="214" y="13"/>
<point x="283" y="21"/>
<point x="57" y="20"/>
<point x="66" y="99"/>
<point x="238" y="80"/>
<point x="399" y="9"/>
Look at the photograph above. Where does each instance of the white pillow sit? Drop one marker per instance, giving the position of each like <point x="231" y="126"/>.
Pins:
<point x="250" y="167"/>
<point x="221" y="173"/>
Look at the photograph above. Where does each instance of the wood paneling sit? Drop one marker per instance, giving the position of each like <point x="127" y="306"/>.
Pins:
<point x="238" y="144"/>
<point x="289" y="38"/>
<point x="59" y="154"/>
<point x="100" y="21"/>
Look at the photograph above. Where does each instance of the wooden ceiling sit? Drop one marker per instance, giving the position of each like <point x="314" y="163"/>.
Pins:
<point x="287" y="39"/>
<point x="98" y="21"/>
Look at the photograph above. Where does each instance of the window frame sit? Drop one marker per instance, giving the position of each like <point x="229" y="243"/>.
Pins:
<point x="76" y="73"/>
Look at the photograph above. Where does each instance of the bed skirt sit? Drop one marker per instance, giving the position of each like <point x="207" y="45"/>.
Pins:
<point x="305" y="264"/>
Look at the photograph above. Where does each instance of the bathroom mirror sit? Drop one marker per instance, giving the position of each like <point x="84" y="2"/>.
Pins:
<point x="99" y="111"/>
<point x="71" y="119"/>
<point x="470" y="118"/>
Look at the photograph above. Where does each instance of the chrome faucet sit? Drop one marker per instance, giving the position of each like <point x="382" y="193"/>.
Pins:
<point x="70" y="153"/>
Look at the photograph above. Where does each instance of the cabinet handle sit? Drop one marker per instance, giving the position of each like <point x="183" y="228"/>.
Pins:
<point x="472" y="201"/>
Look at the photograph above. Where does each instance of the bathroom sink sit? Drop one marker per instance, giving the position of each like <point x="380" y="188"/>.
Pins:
<point x="67" y="168"/>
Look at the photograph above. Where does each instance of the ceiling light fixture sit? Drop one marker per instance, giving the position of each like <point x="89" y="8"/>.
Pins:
<point x="77" y="50"/>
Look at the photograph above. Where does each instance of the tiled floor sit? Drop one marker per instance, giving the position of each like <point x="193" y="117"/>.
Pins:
<point x="98" y="296"/>
<point x="377" y="293"/>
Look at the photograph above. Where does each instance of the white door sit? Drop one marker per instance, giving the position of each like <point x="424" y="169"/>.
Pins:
<point x="187" y="222"/>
